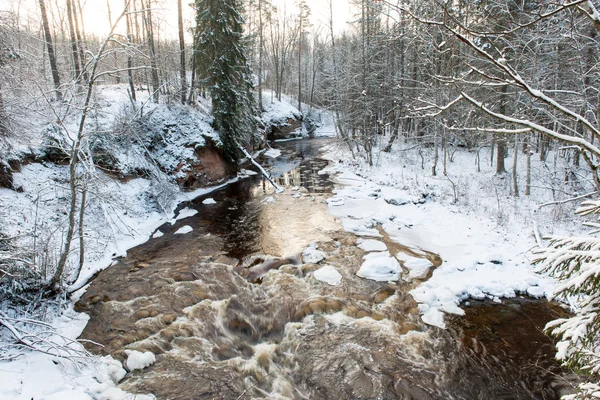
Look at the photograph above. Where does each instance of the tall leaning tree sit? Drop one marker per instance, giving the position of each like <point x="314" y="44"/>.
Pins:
<point x="222" y="66"/>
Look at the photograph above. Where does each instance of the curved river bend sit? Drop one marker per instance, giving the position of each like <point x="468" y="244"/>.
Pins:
<point x="232" y="313"/>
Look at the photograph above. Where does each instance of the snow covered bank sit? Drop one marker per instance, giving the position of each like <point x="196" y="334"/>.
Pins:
<point x="154" y="150"/>
<point x="481" y="258"/>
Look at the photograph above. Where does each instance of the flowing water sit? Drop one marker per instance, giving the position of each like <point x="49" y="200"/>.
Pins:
<point x="232" y="313"/>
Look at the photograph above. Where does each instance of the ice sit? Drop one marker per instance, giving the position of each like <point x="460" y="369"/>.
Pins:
<point x="311" y="255"/>
<point x="273" y="153"/>
<point x="247" y="172"/>
<point x="186" y="213"/>
<point x="418" y="267"/>
<point x="183" y="230"/>
<point x="380" y="266"/>
<point x="482" y="258"/>
<point x="329" y="275"/>
<point x="208" y="201"/>
<point x="372" y="245"/>
<point x="138" y="360"/>
<point x="158" y="234"/>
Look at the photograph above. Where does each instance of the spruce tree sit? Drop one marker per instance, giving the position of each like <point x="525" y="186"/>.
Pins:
<point x="222" y="66"/>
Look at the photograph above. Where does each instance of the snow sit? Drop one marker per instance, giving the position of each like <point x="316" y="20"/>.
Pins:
<point x="39" y="376"/>
<point x="209" y="201"/>
<point x="183" y="230"/>
<point x="372" y="245"/>
<point x="138" y="360"/>
<point x="380" y="266"/>
<point x="311" y="255"/>
<point x="484" y="241"/>
<point x="418" y="267"/>
<point x="120" y="215"/>
<point x="186" y="213"/>
<point x="273" y="153"/>
<point x="329" y="275"/>
<point x="279" y="112"/>
<point x="247" y="172"/>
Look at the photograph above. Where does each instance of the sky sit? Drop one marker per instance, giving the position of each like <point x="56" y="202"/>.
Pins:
<point x="96" y="12"/>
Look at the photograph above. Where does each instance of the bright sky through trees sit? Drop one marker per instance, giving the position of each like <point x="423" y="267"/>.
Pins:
<point x="96" y="13"/>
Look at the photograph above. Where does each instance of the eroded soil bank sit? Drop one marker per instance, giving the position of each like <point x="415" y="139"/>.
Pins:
<point x="216" y="335"/>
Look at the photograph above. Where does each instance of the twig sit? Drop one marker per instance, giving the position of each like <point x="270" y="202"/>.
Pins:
<point x="568" y="200"/>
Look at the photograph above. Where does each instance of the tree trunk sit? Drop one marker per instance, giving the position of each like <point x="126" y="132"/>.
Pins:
<point x="154" y="68"/>
<point x="299" y="64"/>
<point x="260" y="55"/>
<point x="50" y="47"/>
<point x="514" y="168"/>
<point x="182" y="58"/>
<point x="129" y="58"/>
<point x="80" y="33"/>
<point x="435" y="154"/>
<point x="528" y="177"/>
<point x="74" y="47"/>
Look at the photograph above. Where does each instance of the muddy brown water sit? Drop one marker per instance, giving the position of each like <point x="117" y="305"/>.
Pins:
<point x="218" y="336"/>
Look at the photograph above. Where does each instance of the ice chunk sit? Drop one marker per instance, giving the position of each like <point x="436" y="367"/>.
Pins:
<point x="329" y="275"/>
<point x="380" y="267"/>
<point x="248" y="172"/>
<point x="311" y="255"/>
<point x="418" y="267"/>
<point x="186" y="212"/>
<point x="138" y="360"/>
<point x="183" y="230"/>
<point x="209" y="201"/>
<point x="273" y="153"/>
<point x="372" y="245"/>
<point x="158" y="234"/>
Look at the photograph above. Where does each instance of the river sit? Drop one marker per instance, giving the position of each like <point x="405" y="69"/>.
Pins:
<point x="231" y="312"/>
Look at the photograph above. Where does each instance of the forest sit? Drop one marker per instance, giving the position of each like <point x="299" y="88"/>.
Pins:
<point x="253" y="173"/>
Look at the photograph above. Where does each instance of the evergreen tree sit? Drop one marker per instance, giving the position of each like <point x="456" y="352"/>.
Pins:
<point x="222" y="66"/>
<point x="575" y="263"/>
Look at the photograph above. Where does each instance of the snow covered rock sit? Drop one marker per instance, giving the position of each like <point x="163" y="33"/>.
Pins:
<point x="183" y="230"/>
<point x="398" y="200"/>
<point x="138" y="360"/>
<point x="329" y="275"/>
<point x="380" y="266"/>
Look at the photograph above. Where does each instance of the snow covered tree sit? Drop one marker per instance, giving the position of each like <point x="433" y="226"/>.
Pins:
<point x="222" y="66"/>
<point x="575" y="262"/>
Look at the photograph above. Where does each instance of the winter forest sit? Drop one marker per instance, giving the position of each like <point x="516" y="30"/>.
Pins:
<point x="299" y="199"/>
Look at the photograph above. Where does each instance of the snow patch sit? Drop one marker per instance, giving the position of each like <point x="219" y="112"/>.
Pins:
<point x="183" y="230"/>
<point x="418" y="267"/>
<point x="138" y="360"/>
<point x="380" y="266"/>
<point x="158" y="234"/>
<point x="311" y="255"/>
<point x="186" y="213"/>
<point x="372" y="245"/>
<point x="273" y="153"/>
<point x="329" y="275"/>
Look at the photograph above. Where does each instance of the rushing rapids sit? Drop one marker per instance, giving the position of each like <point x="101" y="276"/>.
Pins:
<point x="233" y="311"/>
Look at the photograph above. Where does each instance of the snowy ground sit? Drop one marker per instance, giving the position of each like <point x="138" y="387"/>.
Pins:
<point x="120" y="215"/>
<point x="484" y="239"/>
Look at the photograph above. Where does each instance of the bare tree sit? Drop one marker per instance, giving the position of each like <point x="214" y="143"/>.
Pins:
<point x="50" y="48"/>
